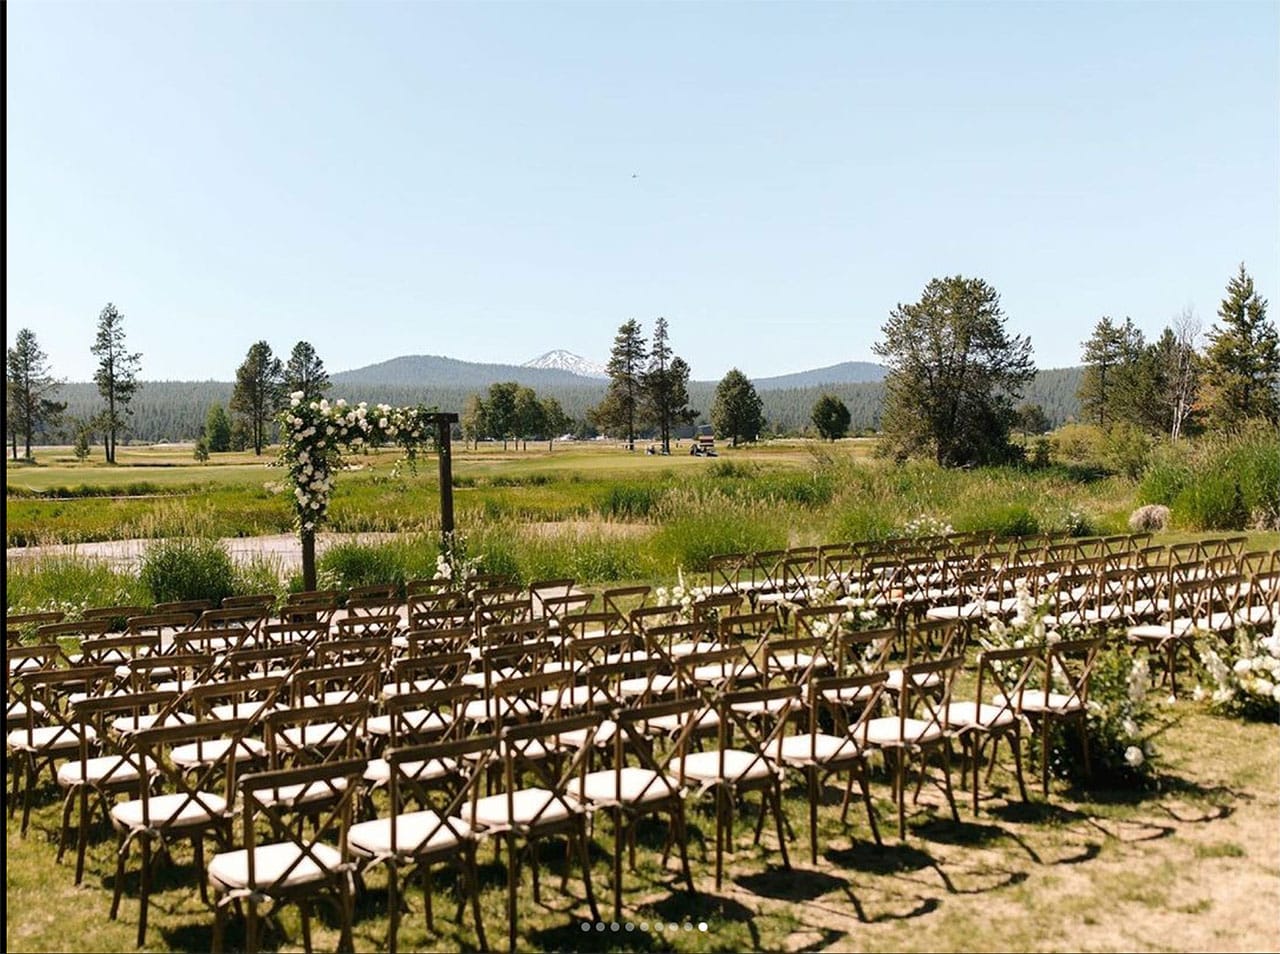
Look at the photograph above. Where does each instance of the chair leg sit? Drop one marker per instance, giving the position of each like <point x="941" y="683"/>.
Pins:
<point x="719" y="835"/>
<point x="305" y="910"/>
<point x="586" y="867"/>
<point x="512" y="891"/>
<point x="118" y="893"/>
<point x="617" y="863"/>
<point x="473" y="887"/>
<point x="144" y="889"/>
<point x="65" y="832"/>
<point x="776" y="790"/>
<point x="811" y="778"/>
<point x="1016" y="744"/>
<point x="393" y="907"/>
<point x="899" y="791"/>
<point x="251" y="927"/>
<point x="946" y="779"/>
<point x="426" y="897"/>
<point x="866" y="799"/>
<point x="682" y="832"/>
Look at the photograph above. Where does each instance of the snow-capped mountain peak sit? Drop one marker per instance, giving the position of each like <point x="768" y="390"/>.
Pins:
<point x="561" y="360"/>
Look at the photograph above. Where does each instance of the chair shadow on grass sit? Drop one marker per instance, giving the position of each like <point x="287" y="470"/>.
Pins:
<point x="794" y="884"/>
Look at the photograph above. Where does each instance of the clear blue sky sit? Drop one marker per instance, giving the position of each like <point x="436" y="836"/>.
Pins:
<point x="489" y="181"/>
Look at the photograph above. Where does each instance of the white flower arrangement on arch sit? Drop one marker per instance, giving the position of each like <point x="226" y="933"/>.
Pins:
<point x="315" y="435"/>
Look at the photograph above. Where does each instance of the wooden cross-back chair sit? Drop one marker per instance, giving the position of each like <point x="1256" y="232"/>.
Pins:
<point x="750" y="724"/>
<point x="409" y="841"/>
<point x="527" y="814"/>
<point x="995" y="712"/>
<point x="919" y="728"/>
<point x="819" y="753"/>
<point x="195" y="802"/>
<point x="295" y="866"/>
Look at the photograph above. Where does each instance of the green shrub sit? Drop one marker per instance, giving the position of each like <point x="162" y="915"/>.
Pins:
<point x="69" y="583"/>
<point x="697" y="527"/>
<point x="345" y="565"/>
<point x="1165" y="478"/>
<point x="1003" y="519"/>
<point x="1126" y="449"/>
<point x="1213" y="502"/>
<point x="862" y="522"/>
<point x="187" y="568"/>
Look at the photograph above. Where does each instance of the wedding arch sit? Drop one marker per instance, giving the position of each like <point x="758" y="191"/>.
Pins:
<point x="316" y="435"/>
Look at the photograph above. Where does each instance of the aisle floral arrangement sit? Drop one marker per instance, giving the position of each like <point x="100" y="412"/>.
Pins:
<point x="1241" y="676"/>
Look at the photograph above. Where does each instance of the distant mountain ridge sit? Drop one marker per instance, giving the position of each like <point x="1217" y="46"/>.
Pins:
<point x="563" y="368"/>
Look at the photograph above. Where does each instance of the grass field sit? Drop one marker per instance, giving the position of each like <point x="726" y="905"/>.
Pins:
<point x="1194" y="865"/>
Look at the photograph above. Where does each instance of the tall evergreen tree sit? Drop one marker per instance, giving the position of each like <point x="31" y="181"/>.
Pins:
<point x="258" y="392"/>
<point x="1243" y="358"/>
<point x="1102" y="353"/>
<point x="666" y="386"/>
<point x="116" y="377"/>
<point x="621" y="408"/>
<point x="736" y="409"/>
<point x="28" y="388"/>
<point x="954" y="373"/>
<point x="305" y="372"/>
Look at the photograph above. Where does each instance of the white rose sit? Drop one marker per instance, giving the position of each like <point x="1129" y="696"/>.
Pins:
<point x="1133" y="756"/>
<point x="1242" y="667"/>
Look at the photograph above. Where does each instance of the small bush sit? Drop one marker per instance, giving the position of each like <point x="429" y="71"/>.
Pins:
<point x="1003" y="519"/>
<point x="1126" y="450"/>
<point x="1148" y="519"/>
<point x="187" y="568"/>
<point x="355" y="564"/>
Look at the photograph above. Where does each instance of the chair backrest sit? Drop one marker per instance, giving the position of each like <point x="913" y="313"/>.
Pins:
<point x="926" y="693"/>
<point x="263" y="602"/>
<point x="851" y="701"/>
<point x="1068" y="669"/>
<point x="470" y="758"/>
<point x="272" y="796"/>
<point x="434" y="669"/>
<point x="118" y="616"/>
<point x="623" y="599"/>
<point x="751" y="628"/>
<point x="210" y="786"/>
<point x="521" y="748"/>
<point x="309" y="734"/>
<point x="430" y="715"/>
<point x="194" y="607"/>
<point x="1004" y="677"/>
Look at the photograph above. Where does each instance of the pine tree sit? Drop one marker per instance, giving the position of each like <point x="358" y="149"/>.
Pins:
<point x="737" y="410"/>
<point x="28" y="387"/>
<point x="666" y="386"/>
<point x="258" y="392"/>
<point x="621" y="408"/>
<point x="116" y="377"/>
<point x="1243" y="358"/>
<point x="1102" y="353"/>
<point x="305" y="372"/>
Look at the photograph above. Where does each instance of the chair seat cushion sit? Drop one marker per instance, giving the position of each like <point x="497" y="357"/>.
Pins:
<point x="314" y="734"/>
<point x="302" y="793"/>
<point x="731" y="765"/>
<point x="47" y="738"/>
<point x="230" y="869"/>
<point x="213" y="750"/>
<point x="708" y="719"/>
<point x="379" y="770"/>
<point x="413" y="720"/>
<point x="171" y="811"/>
<point x="926" y="680"/>
<point x="1179" y="628"/>
<point x="971" y="715"/>
<point x="819" y="749"/>
<point x="240" y="710"/>
<point x="416" y="833"/>
<point x="887" y="730"/>
<point x="529" y="807"/>
<point x="126" y="724"/>
<point x="630" y="786"/>
<point x="109" y="769"/>
<point x="1034" y="700"/>
<point x="659" y="685"/>
<point x="416" y="685"/>
<point x="967" y="611"/>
